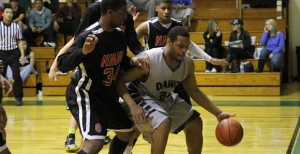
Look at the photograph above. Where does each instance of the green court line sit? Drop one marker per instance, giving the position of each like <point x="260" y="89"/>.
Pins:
<point x="297" y="145"/>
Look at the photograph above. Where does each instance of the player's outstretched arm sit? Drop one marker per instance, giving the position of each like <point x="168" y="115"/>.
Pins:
<point x="53" y="68"/>
<point x="142" y="30"/>
<point x="195" y="49"/>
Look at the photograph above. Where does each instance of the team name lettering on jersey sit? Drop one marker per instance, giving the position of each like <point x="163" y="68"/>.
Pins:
<point x="112" y="59"/>
<point x="166" y="84"/>
<point x="161" y="40"/>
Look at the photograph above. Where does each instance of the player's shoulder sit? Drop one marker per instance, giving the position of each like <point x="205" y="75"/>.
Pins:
<point x="152" y="20"/>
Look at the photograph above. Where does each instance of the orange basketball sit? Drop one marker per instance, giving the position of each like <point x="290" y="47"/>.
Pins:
<point x="229" y="132"/>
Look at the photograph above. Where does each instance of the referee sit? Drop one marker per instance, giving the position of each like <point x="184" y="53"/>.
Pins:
<point x="11" y="49"/>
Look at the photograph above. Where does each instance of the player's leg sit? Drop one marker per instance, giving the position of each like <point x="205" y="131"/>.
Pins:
<point x="120" y="123"/>
<point x="3" y="147"/>
<point x="132" y="142"/>
<point x="193" y="136"/>
<point x="70" y="145"/>
<point x="88" y="116"/>
<point x="185" y="118"/>
<point x="160" y="137"/>
<point x="157" y="127"/>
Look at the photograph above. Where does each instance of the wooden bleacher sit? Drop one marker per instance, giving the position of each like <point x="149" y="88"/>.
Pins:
<point x="266" y="83"/>
<point x="239" y="84"/>
<point x="55" y="88"/>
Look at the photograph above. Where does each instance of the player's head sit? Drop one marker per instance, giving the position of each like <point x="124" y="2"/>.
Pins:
<point x="271" y="25"/>
<point x="212" y="26"/>
<point x="178" y="42"/>
<point x="164" y="10"/>
<point x="7" y="14"/>
<point x="116" y="10"/>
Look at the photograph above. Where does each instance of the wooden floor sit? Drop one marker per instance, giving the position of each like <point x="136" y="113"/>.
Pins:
<point x="40" y="126"/>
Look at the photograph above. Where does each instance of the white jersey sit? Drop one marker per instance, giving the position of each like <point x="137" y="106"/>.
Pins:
<point x="162" y="80"/>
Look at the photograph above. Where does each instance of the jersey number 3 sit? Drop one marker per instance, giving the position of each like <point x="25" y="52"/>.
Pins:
<point x="110" y="75"/>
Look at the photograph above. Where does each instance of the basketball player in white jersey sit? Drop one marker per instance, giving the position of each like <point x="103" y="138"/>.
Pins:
<point x="156" y="109"/>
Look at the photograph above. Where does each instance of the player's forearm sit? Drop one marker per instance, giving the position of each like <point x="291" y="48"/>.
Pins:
<point x="195" y="49"/>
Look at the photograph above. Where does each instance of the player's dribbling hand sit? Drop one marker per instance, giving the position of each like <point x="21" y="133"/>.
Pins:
<point x="224" y="115"/>
<point x="89" y="44"/>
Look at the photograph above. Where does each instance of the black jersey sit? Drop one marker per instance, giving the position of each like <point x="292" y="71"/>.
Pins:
<point x="158" y="34"/>
<point x="100" y="68"/>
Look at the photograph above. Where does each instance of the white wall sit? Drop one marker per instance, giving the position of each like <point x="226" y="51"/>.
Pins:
<point x="294" y="34"/>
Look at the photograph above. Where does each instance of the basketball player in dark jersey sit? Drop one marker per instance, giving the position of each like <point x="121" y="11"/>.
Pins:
<point x="92" y="98"/>
<point x="90" y="20"/>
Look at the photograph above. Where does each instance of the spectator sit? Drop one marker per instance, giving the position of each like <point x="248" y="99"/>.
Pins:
<point x="52" y="5"/>
<point x="239" y="45"/>
<point x="19" y="14"/>
<point x="273" y="42"/>
<point x="144" y="5"/>
<point x="26" y="68"/>
<point x="213" y="44"/>
<point x="11" y="50"/>
<point x="26" y="4"/>
<point x="40" y="20"/>
<point x="183" y="11"/>
<point x="67" y="18"/>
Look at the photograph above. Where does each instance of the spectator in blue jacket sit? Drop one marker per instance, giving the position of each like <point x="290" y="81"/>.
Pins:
<point x="273" y="42"/>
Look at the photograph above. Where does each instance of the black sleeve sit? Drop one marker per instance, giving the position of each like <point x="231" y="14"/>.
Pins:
<point x="92" y="15"/>
<point x="246" y="40"/>
<point x="131" y="37"/>
<point x="73" y="57"/>
<point x="217" y="42"/>
<point x="206" y="39"/>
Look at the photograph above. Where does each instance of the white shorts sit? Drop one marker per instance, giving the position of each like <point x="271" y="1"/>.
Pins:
<point x="173" y="108"/>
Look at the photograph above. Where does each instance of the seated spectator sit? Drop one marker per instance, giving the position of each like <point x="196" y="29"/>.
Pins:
<point x="52" y="5"/>
<point x="26" y="68"/>
<point x="26" y="4"/>
<point x="18" y="14"/>
<point x="183" y="11"/>
<point x="273" y="42"/>
<point x="213" y="44"/>
<point x="67" y="18"/>
<point x="40" y="21"/>
<point x="239" y="45"/>
<point x="144" y="5"/>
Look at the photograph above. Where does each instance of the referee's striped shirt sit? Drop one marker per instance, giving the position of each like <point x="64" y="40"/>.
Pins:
<point x="9" y="34"/>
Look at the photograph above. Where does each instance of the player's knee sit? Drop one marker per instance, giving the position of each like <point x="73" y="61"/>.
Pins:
<point x="125" y="136"/>
<point x="93" y="146"/>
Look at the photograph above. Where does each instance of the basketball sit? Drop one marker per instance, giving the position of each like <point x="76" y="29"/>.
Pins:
<point x="229" y="132"/>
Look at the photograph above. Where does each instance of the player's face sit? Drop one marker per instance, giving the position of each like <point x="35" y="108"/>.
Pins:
<point x="179" y="48"/>
<point x="164" y="12"/>
<point x="118" y="17"/>
<point x="8" y="14"/>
